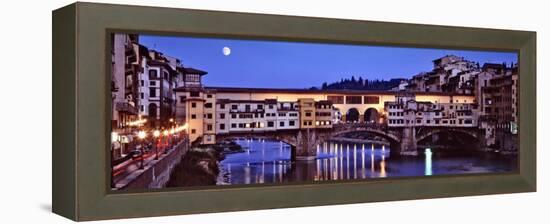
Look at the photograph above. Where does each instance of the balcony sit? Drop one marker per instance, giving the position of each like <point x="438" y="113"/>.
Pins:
<point x="126" y="107"/>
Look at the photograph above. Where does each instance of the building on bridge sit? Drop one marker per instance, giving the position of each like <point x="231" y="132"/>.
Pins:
<point x="407" y="111"/>
<point x="211" y="111"/>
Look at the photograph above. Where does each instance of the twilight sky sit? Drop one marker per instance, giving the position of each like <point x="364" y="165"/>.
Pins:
<point x="275" y="64"/>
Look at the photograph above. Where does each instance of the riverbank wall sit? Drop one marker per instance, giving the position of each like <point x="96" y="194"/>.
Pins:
<point x="157" y="174"/>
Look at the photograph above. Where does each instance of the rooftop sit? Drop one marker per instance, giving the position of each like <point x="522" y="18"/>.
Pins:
<point x="314" y="91"/>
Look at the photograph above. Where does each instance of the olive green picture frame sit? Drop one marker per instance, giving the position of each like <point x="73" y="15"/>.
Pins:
<point x="81" y="102"/>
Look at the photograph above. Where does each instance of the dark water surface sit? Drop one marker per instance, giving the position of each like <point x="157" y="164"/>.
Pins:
<point x="266" y="161"/>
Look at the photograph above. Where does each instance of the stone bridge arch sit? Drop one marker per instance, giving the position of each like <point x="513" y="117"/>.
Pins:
<point x="392" y="137"/>
<point x="303" y="142"/>
<point x="425" y="133"/>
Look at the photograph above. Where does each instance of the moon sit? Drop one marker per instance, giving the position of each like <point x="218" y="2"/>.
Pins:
<point x="226" y="51"/>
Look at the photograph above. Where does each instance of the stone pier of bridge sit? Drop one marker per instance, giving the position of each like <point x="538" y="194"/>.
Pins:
<point x="304" y="146"/>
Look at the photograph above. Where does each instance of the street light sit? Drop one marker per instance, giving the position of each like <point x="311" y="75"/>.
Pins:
<point x="156" y="134"/>
<point x="141" y="136"/>
<point x="114" y="138"/>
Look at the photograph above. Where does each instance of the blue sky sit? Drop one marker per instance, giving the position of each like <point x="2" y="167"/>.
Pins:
<point x="276" y="64"/>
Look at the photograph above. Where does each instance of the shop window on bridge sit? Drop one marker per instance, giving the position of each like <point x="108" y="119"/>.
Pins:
<point x="222" y="106"/>
<point x="234" y="107"/>
<point x="233" y="125"/>
<point x="270" y="124"/>
<point x="209" y="127"/>
<point x="281" y="124"/>
<point x="222" y="126"/>
<point x="353" y="100"/>
<point x="372" y="99"/>
<point x="222" y="116"/>
<point x="208" y="105"/>
<point x="193" y="131"/>
<point x="291" y="123"/>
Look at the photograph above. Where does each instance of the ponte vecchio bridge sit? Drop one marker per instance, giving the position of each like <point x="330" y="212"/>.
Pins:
<point x="305" y="118"/>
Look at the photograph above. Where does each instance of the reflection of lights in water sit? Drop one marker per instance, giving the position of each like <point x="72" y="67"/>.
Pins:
<point x="363" y="162"/>
<point x="428" y="166"/>
<point x="317" y="150"/>
<point x="363" y="147"/>
<point x="383" y="166"/>
<point x="263" y="172"/>
<point x="247" y="174"/>
<point x="341" y="166"/>
<point x="317" y="174"/>
<point x="325" y="167"/>
<point x="334" y="172"/>
<point x="383" y="148"/>
<point x="372" y="147"/>
<point x="355" y="162"/>
<point x="280" y="173"/>
<point x="372" y="164"/>
<point x="274" y="170"/>
<point x="347" y="162"/>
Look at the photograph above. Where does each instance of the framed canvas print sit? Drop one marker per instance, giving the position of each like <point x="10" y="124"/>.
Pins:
<point x="201" y="111"/>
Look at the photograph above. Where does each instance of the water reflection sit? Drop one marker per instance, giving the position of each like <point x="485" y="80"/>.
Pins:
<point x="265" y="161"/>
<point x="428" y="163"/>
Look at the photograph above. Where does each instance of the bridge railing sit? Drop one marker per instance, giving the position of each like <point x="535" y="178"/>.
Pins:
<point x="360" y="125"/>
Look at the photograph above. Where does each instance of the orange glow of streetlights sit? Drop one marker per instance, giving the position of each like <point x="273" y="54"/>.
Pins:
<point x="156" y="133"/>
<point x="142" y="134"/>
<point x="114" y="136"/>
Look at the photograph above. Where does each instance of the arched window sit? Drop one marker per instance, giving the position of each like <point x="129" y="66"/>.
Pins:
<point x="371" y="115"/>
<point x="352" y="115"/>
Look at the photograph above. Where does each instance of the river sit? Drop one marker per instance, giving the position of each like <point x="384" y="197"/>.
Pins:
<point x="266" y="161"/>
